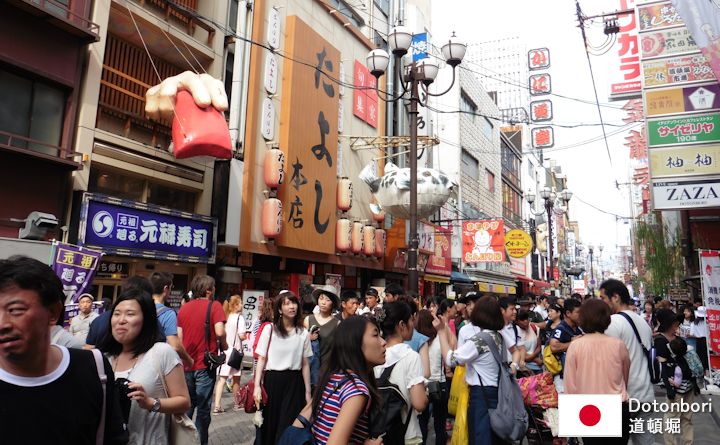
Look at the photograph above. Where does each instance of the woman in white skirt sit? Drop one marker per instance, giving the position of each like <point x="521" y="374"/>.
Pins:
<point x="235" y="330"/>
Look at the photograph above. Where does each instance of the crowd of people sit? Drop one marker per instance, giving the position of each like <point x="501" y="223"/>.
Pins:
<point x="358" y="369"/>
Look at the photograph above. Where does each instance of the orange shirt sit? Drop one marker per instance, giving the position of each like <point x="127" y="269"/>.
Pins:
<point x="597" y="364"/>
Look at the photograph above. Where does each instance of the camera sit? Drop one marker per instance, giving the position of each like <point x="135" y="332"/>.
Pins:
<point x="123" y="386"/>
<point x="314" y="328"/>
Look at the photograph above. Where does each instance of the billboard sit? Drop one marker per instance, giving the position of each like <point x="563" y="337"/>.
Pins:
<point x="483" y="241"/>
<point x="710" y="273"/>
<point x="686" y="194"/>
<point x="702" y="18"/>
<point x="658" y="16"/>
<point x="685" y="161"/>
<point x="682" y="100"/>
<point x="684" y="130"/>
<point x="677" y="70"/>
<point x="667" y="43"/>
<point x="625" y="83"/>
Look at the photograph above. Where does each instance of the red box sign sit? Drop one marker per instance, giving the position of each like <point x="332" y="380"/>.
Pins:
<point x="365" y="98"/>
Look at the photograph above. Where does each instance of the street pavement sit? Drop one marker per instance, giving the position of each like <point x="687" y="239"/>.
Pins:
<point x="236" y="428"/>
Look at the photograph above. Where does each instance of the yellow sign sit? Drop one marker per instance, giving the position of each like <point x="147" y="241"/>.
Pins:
<point x="664" y="102"/>
<point x="518" y="243"/>
<point x="483" y="287"/>
<point x="685" y="161"/>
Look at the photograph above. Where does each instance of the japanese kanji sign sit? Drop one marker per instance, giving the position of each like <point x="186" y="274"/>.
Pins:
<point x="667" y="43"/>
<point x="143" y="230"/>
<point x="658" y="16"/>
<point x="710" y="273"/>
<point x="626" y="81"/>
<point x="365" y="98"/>
<point x="542" y="137"/>
<point x="538" y="59"/>
<point x="683" y="100"/>
<point x="541" y="111"/>
<point x="483" y="241"/>
<point x="540" y="84"/>
<point x="440" y="262"/>
<point x="419" y="46"/>
<point x="518" y="243"/>
<point x="75" y="266"/>
<point x="702" y="19"/>
<point x="685" y="161"/>
<point x="684" y="130"/>
<point x="677" y="70"/>
<point x="309" y="135"/>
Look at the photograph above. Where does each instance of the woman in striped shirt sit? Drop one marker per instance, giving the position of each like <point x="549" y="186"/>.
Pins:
<point x="346" y="389"/>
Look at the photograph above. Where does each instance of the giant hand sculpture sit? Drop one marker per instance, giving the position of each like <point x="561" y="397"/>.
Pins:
<point x="205" y="90"/>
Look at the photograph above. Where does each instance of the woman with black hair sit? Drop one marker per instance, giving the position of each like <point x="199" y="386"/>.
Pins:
<point x="407" y="369"/>
<point x="555" y="316"/>
<point x="283" y="368"/>
<point x="346" y="390"/>
<point x="147" y="370"/>
<point x="437" y="389"/>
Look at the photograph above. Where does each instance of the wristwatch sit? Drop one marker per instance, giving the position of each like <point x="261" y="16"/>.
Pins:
<point x="155" y="406"/>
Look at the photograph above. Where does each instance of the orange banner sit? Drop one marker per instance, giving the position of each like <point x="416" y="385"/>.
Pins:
<point x="483" y="241"/>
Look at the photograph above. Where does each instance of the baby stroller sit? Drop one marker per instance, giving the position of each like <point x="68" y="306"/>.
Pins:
<point x="538" y="432"/>
<point x="539" y="394"/>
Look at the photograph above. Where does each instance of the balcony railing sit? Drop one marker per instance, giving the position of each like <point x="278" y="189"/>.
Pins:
<point x="63" y="17"/>
<point x="185" y="11"/>
<point x="25" y="145"/>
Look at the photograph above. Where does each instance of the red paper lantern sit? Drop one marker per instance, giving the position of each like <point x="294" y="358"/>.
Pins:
<point x="199" y="131"/>
<point x="344" y="194"/>
<point x="274" y="168"/>
<point x="343" y="235"/>
<point x="368" y="240"/>
<point x="272" y="218"/>
<point x="357" y="238"/>
<point x="380" y="238"/>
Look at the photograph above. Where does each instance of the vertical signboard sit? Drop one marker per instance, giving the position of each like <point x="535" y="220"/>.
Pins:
<point x="626" y="80"/>
<point x="252" y="302"/>
<point x="710" y="273"/>
<point x="309" y="137"/>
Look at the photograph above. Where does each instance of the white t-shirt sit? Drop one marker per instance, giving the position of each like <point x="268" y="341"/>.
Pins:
<point x="407" y="373"/>
<point x="285" y="353"/>
<point x="542" y="311"/>
<point x="436" y="360"/>
<point x="477" y="358"/>
<point x="638" y="386"/>
<point x="145" y="426"/>
<point x="510" y="337"/>
<point x="699" y="329"/>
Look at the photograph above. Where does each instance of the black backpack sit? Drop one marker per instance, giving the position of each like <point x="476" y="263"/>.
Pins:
<point x="387" y="420"/>
<point x="653" y="363"/>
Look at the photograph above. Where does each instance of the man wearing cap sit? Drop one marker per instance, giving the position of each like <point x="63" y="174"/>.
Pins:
<point x="526" y="302"/>
<point x="80" y="324"/>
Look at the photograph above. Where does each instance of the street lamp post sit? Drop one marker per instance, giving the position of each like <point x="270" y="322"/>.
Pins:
<point x="600" y="262"/>
<point x="592" y="270"/>
<point x="550" y="206"/>
<point x="416" y="76"/>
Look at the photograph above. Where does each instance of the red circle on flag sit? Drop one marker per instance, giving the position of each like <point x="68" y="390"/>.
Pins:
<point x="590" y="415"/>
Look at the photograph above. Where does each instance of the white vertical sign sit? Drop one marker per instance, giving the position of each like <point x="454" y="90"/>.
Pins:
<point x="273" y="32"/>
<point x="252" y="302"/>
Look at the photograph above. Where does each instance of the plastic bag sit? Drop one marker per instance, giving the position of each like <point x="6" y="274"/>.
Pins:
<point x="458" y="387"/>
<point x="539" y="390"/>
<point x="460" y="430"/>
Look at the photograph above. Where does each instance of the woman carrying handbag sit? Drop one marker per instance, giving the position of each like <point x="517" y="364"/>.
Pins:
<point x="235" y="334"/>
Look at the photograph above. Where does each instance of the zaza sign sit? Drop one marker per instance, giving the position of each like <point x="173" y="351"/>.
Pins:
<point x="691" y="194"/>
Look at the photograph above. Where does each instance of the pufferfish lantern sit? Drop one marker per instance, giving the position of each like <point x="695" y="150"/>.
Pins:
<point x="392" y="191"/>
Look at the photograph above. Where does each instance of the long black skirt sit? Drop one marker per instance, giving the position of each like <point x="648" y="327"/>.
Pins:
<point x="286" y="398"/>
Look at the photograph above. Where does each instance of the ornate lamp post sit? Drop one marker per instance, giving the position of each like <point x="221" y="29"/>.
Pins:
<point x="592" y="270"/>
<point x="417" y="75"/>
<point x="600" y="263"/>
<point x="551" y="205"/>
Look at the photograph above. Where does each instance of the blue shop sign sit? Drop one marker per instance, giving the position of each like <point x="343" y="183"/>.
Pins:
<point x="123" y="227"/>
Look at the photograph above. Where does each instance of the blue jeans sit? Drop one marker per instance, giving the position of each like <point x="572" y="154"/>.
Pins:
<point x="200" y="386"/>
<point x="479" y="430"/>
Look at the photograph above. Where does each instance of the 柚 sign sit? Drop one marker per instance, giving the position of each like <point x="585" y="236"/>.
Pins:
<point x="690" y="194"/>
<point x="137" y="229"/>
<point x="677" y="70"/>
<point x="667" y="43"/>
<point x="684" y="130"/>
<point x="685" y="161"/>
<point x="683" y="100"/>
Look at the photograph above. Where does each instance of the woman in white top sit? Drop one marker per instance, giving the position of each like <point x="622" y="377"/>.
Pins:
<point x="437" y="390"/>
<point x="482" y="369"/>
<point x="397" y="327"/>
<point x="147" y="372"/>
<point x="283" y="368"/>
<point x="235" y="334"/>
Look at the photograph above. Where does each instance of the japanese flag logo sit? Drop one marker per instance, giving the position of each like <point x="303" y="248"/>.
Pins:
<point x="590" y="415"/>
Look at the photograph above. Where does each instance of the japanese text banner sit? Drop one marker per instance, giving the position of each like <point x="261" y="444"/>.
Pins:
<point x="710" y="272"/>
<point x="483" y="241"/>
<point x="702" y="18"/>
<point x="75" y="266"/>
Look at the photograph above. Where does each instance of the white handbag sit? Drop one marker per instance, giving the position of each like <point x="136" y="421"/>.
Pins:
<point x="182" y="429"/>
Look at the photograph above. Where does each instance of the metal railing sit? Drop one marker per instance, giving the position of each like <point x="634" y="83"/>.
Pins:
<point x="25" y="144"/>
<point x="62" y="12"/>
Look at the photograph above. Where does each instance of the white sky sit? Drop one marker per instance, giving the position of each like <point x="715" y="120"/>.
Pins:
<point x="553" y="24"/>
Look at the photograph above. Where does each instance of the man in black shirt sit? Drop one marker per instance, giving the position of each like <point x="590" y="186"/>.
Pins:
<point x="49" y="394"/>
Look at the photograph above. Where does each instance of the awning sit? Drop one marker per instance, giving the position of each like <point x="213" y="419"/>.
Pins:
<point x="459" y="277"/>
<point x="489" y="281"/>
<point x="436" y="278"/>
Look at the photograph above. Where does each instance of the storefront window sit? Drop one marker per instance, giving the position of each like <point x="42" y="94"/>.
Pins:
<point x="169" y="197"/>
<point x="116" y="184"/>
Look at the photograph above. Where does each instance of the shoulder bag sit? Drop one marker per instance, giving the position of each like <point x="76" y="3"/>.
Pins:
<point x="236" y="356"/>
<point x="182" y="430"/>
<point x="653" y="364"/>
<point x="244" y="396"/>
<point x="212" y="361"/>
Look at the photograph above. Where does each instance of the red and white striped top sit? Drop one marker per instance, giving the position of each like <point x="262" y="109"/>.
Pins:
<point x="332" y="400"/>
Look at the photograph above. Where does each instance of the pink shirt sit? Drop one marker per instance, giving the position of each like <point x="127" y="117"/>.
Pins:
<point x="597" y="364"/>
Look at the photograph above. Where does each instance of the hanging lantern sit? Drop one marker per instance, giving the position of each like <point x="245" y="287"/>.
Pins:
<point x="272" y="218"/>
<point x="274" y="168"/>
<point x="357" y="238"/>
<point x="343" y="235"/>
<point x="380" y="238"/>
<point x="344" y="194"/>
<point x="368" y="240"/>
